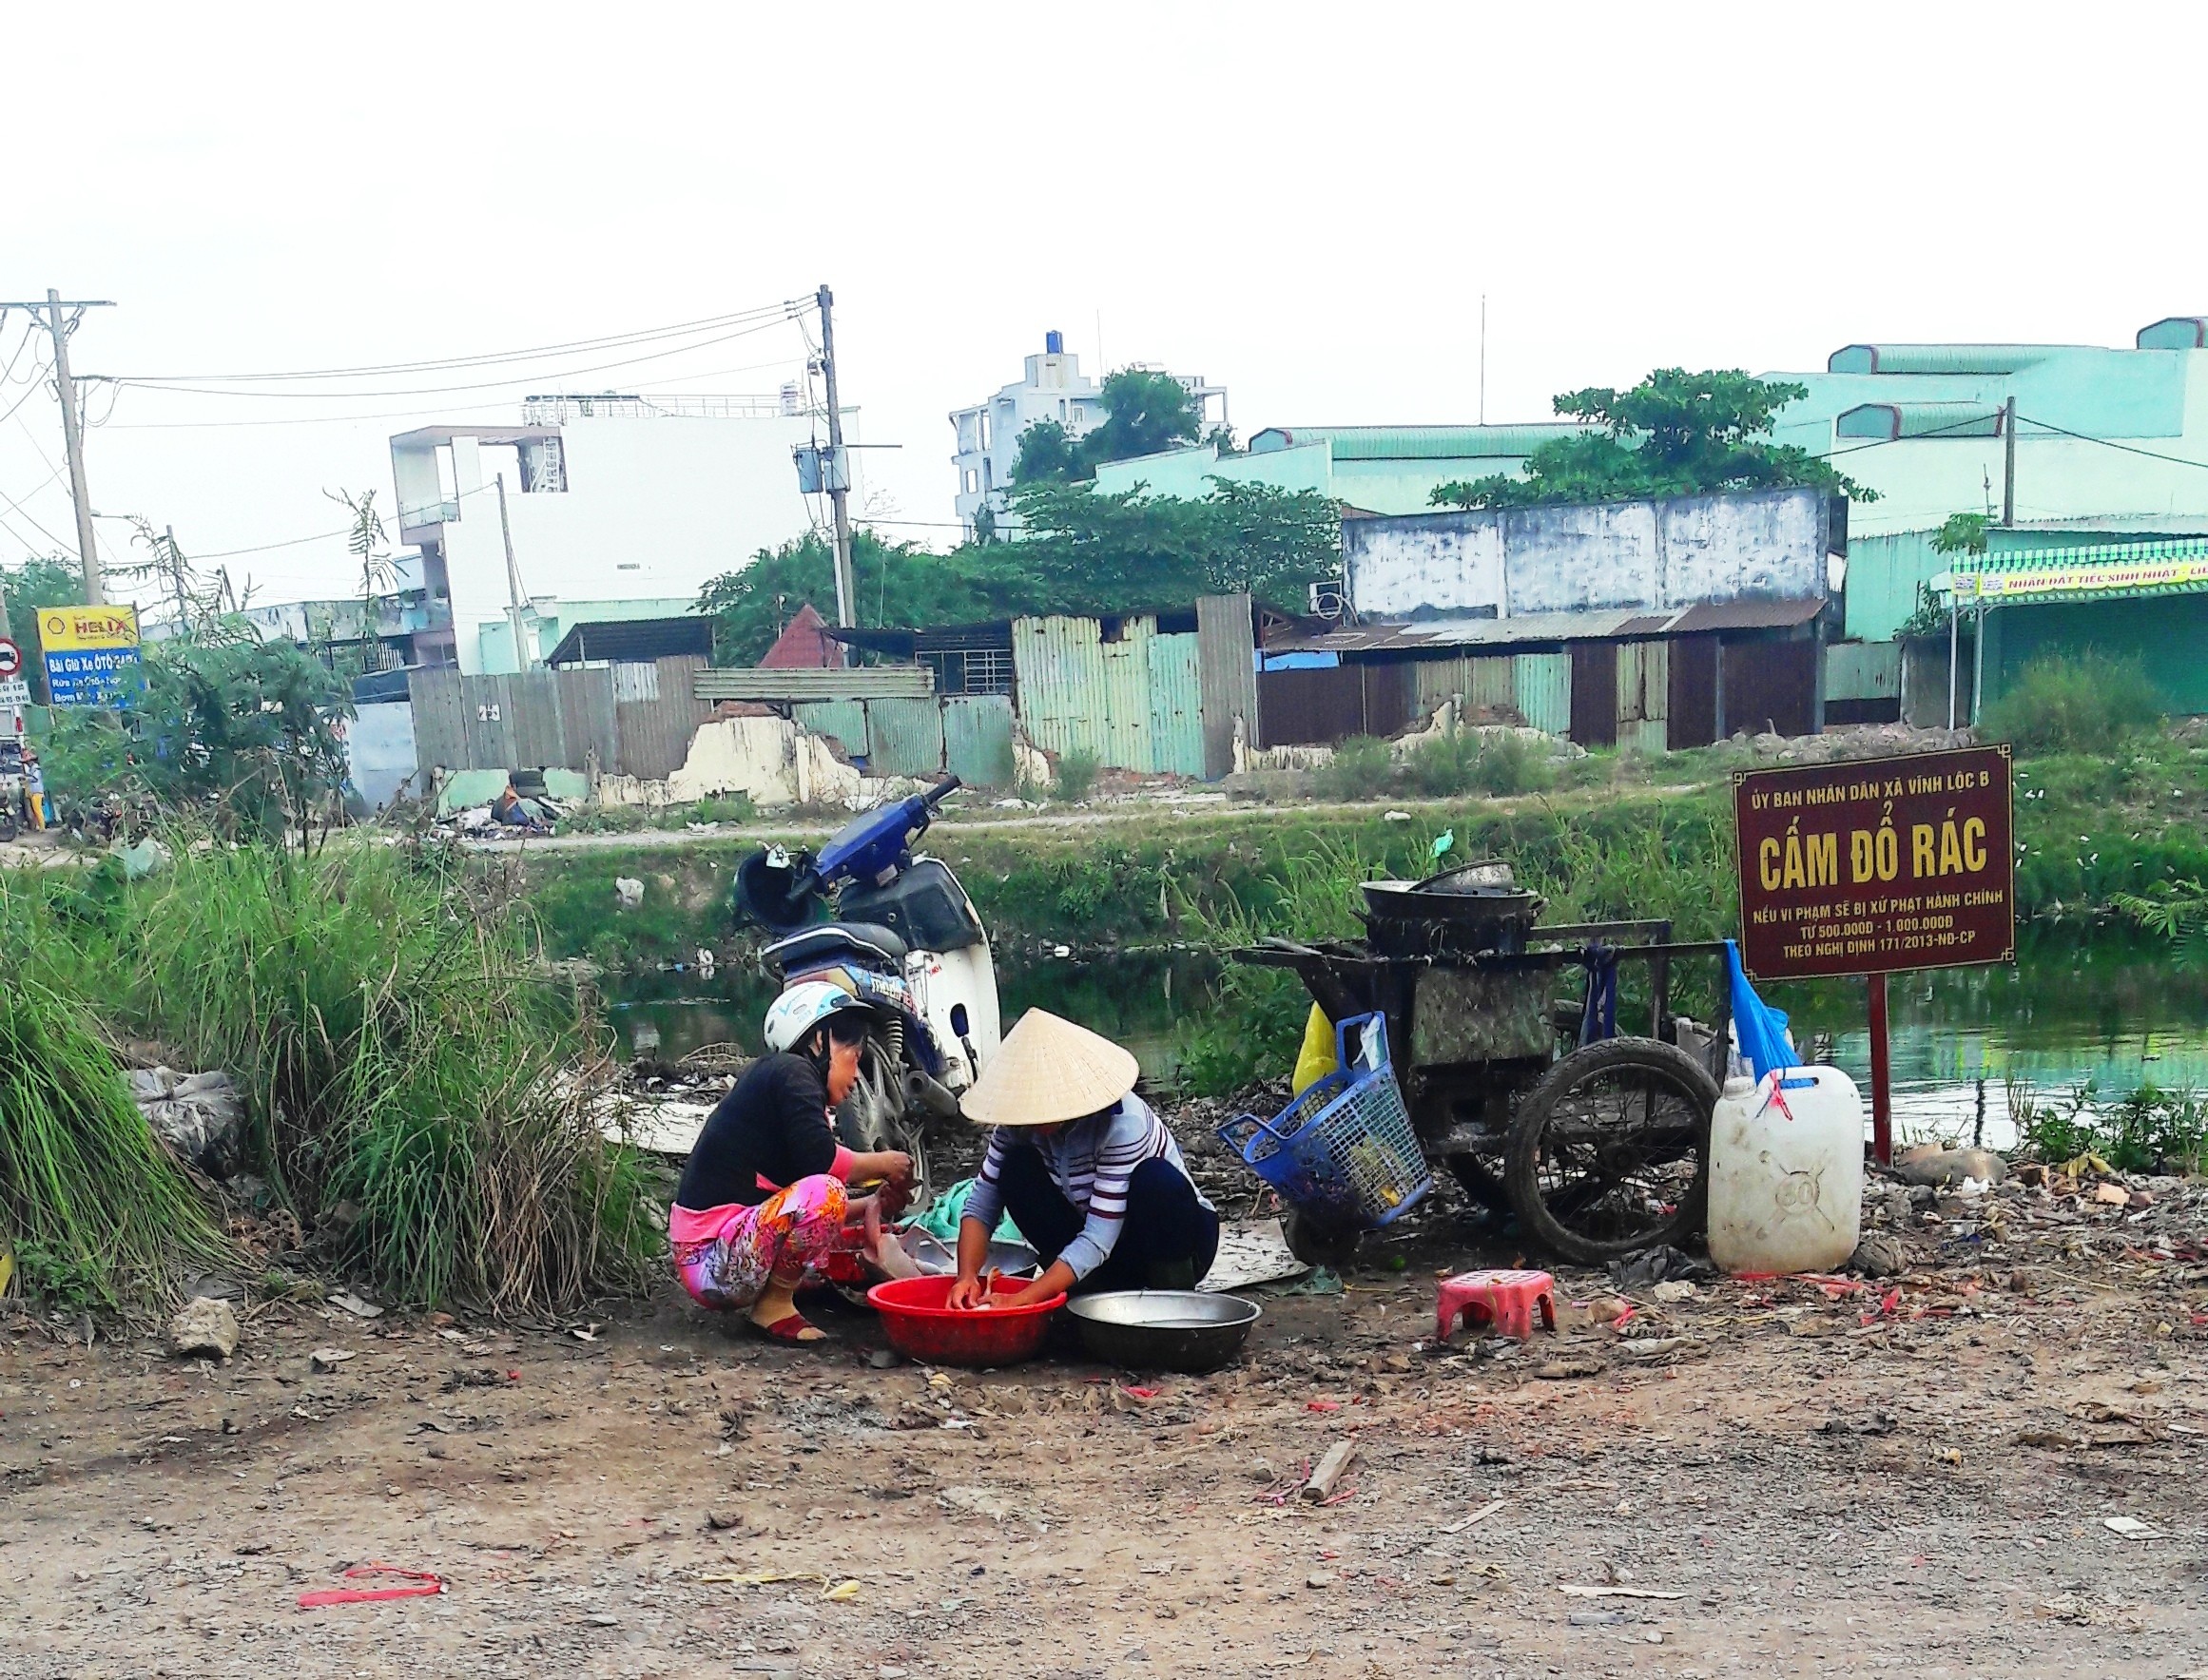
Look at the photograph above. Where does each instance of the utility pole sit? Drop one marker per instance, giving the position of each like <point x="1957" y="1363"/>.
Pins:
<point x="514" y="604"/>
<point x="2008" y="462"/>
<point x="838" y="475"/>
<point x="72" y="431"/>
<point x="1483" y="359"/>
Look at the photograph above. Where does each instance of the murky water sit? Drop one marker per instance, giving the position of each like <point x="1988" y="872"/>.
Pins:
<point x="2118" y="1014"/>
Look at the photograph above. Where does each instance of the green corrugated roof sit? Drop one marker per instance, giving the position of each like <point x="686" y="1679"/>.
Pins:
<point x="1919" y="420"/>
<point x="1940" y="358"/>
<point x="1416" y="443"/>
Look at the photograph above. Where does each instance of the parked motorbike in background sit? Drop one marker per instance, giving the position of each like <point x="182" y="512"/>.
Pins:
<point x="898" y="933"/>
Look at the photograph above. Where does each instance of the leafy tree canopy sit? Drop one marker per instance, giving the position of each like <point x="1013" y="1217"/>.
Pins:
<point x="1079" y="551"/>
<point x="1145" y="414"/>
<point x="1674" y="433"/>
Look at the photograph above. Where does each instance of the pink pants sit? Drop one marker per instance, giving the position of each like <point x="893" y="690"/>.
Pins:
<point x="726" y="1265"/>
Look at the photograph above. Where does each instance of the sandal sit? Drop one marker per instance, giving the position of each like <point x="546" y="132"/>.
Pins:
<point x="790" y="1328"/>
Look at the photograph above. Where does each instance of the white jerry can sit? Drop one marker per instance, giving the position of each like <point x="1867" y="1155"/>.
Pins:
<point x="1786" y="1173"/>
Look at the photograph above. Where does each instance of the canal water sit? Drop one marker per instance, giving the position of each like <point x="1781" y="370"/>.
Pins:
<point x="2112" y="1014"/>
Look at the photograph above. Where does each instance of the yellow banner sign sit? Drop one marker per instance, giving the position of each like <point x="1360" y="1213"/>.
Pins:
<point x="73" y="629"/>
<point x="2068" y="580"/>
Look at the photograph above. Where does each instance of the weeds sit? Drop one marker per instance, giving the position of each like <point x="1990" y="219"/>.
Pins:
<point x="1498" y="761"/>
<point x="1362" y="768"/>
<point x="1075" y="775"/>
<point x="2149" y="1130"/>
<point x="93" y="1207"/>
<point x="2090" y="704"/>
<point x="401" y="1051"/>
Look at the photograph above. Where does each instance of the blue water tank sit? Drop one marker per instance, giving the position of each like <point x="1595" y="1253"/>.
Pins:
<point x="1054" y="342"/>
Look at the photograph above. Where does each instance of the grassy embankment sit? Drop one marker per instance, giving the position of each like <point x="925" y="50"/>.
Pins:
<point x="417" y="1084"/>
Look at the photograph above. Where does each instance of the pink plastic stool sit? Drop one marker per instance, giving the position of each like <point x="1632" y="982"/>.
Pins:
<point x="1502" y="1299"/>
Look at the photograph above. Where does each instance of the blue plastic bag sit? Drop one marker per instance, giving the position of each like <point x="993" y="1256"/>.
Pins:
<point x="1761" y="1029"/>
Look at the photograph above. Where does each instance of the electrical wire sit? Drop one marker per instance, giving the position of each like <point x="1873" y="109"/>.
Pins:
<point x="642" y="335"/>
<point x="2111" y="443"/>
<point x="538" y="380"/>
<point x="320" y="536"/>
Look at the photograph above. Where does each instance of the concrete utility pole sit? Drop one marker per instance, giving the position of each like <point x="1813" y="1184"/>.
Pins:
<point x="2008" y="462"/>
<point x="837" y="475"/>
<point x="513" y="600"/>
<point x="72" y="431"/>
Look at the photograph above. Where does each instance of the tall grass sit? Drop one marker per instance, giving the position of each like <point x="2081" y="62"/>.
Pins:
<point x="91" y="1205"/>
<point x="2086" y="704"/>
<point x="420" y="1086"/>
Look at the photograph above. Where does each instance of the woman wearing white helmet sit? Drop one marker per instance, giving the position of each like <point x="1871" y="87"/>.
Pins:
<point x="764" y="1194"/>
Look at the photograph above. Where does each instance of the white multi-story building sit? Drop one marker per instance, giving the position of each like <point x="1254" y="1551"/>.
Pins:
<point x="620" y="506"/>
<point x="1055" y="389"/>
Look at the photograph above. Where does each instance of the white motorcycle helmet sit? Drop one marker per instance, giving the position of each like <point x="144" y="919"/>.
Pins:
<point x="791" y="1017"/>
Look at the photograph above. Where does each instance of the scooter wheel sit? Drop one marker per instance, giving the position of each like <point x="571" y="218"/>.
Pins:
<point x="1315" y="1243"/>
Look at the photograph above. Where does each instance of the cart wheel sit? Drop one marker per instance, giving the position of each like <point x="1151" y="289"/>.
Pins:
<point x="1317" y="1244"/>
<point x="1610" y="1153"/>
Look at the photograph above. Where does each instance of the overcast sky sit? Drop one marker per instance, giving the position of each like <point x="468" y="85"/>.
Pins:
<point x="1303" y="202"/>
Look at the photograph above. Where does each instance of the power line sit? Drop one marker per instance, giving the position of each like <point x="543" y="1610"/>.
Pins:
<point x="639" y="335"/>
<point x="2111" y="443"/>
<point x="552" y="375"/>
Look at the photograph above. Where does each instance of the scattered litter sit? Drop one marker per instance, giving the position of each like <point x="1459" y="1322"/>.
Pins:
<point x="1674" y="1290"/>
<point x="345" y="1301"/>
<point x="415" y="1583"/>
<point x="835" y="1592"/>
<point x="329" y="1358"/>
<point x="1319" y="1488"/>
<point x="628" y="891"/>
<point x="1251" y="1252"/>
<point x="1395" y="816"/>
<point x="1644" y="1271"/>
<point x="1566" y="1369"/>
<point x="2131" y="1528"/>
<point x="1480" y="1516"/>
<point x="1321" y="1282"/>
<point x="1573" y="1590"/>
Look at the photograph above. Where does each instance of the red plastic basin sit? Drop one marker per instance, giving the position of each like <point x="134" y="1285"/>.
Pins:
<point x="921" y="1328"/>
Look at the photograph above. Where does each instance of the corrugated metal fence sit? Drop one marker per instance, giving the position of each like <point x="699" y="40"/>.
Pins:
<point x="1115" y="688"/>
<point x="969" y="735"/>
<point x="633" y="720"/>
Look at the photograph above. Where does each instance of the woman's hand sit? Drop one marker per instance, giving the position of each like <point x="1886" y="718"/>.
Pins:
<point x="969" y="1293"/>
<point x="892" y="1165"/>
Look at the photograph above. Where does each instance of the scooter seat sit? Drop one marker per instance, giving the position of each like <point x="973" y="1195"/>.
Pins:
<point x="863" y="939"/>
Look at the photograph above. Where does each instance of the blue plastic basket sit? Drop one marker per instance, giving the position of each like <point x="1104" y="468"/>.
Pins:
<point x="1343" y="1152"/>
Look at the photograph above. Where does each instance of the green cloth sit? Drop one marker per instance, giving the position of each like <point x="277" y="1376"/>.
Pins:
<point x="941" y="1218"/>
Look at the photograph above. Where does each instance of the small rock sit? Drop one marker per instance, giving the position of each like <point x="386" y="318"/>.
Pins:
<point x="345" y="1301"/>
<point x="204" y="1328"/>
<point x="1564" y="1370"/>
<point x="1930" y="1166"/>
<point x="882" y="1359"/>
<point x="1878" y="1255"/>
<point x="2111" y="1195"/>
<point x="1317" y="1582"/>
<point x="329" y="1358"/>
<point x="1675" y="1289"/>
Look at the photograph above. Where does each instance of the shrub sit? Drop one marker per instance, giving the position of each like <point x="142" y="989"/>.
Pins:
<point x="1362" y="768"/>
<point x="1474" y="760"/>
<point x="2090" y="704"/>
<point x="1075" y="775"/>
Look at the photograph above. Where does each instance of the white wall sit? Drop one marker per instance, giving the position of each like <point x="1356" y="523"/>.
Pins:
<point x="1500" y="563"/>
<point x="653" y="507"/>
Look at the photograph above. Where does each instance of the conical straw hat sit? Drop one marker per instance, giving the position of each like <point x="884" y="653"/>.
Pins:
<point x="1049" y="1071"/>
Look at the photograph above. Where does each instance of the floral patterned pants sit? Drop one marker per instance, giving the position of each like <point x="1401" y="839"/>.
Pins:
<point x="787" y="1232"/>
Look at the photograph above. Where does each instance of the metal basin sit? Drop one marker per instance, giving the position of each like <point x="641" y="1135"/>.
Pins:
<point x="1164" y="1329"/>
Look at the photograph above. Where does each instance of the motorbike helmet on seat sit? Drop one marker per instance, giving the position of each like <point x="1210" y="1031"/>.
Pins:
<point x="791" y="1017"/>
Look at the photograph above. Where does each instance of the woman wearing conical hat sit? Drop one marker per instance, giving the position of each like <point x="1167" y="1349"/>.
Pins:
<point x="1092" y="1178"/>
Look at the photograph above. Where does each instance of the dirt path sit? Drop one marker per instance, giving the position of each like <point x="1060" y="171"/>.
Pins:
<point x="1924" y="1493"/>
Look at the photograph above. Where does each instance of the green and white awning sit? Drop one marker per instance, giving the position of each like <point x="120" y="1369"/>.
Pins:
<point x="2086" y="571"/>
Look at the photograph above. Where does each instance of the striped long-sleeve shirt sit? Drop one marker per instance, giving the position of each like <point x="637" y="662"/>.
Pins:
<point x="1090" y="1162"/>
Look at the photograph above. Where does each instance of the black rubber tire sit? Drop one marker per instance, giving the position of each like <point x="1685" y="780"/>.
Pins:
<point x="1483" y="1180"/>
<point x="1319" y="1244"/>
<point x="1522" y="1171"/>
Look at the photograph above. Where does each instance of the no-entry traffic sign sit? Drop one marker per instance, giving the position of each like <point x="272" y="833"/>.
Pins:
<point x="10" y="659"/>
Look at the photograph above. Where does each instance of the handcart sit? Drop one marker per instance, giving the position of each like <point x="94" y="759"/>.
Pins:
<point x="1596" y="1142"/>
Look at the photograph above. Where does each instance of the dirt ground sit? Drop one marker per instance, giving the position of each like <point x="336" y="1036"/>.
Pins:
<point x="1910" y="1476"/>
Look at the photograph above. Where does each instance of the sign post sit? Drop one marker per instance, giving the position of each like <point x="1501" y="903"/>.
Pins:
<point x="91" y="652"/>
<point x="1872" y="868"/>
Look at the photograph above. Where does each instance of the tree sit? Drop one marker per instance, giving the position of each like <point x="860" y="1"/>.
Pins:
<point x="898" y="585"/>
<point x="1048" y="452"/>
<point x="51" y="580"/>
<point x="1143" y="414"/>
<point x="379" y="573"/>
<point x="1674" y="433"/>
<point x="1080" y="552"/>
<point x="249" y="731"/>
